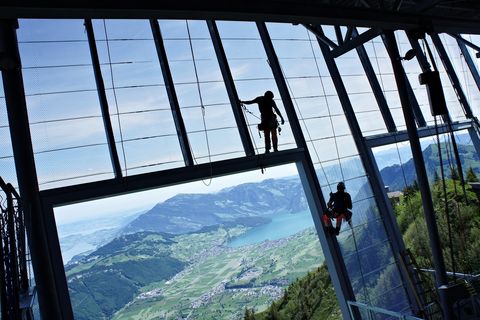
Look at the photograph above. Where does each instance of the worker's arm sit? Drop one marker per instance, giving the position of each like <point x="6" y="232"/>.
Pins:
<point x="278" y="111"/>
<point x="349" y="201"/>
<point x="330" y="201"/>
<point x="250" y="101"/>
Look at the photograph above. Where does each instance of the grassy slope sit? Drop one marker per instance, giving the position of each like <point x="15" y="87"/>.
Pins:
<point x="311" y="297"/>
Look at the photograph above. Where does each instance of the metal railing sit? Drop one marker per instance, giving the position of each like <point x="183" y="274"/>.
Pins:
<point x="376" y="313"/>
<point x="17" y="292"/>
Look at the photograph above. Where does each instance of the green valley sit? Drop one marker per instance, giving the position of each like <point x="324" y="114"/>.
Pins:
<point x="151" y="275"/>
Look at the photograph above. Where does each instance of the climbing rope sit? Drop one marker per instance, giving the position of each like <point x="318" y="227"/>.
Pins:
<point x="115" y="97"/>
<point x="259" y="161"/>
<point x="197" y="81"/>
<point x="445" y="197"/>
<point x="338" y="157"/>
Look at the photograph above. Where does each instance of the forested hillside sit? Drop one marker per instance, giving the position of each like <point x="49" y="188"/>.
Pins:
<point x="311" y="297"/>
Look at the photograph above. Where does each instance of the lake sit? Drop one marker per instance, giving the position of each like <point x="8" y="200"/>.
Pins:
<point x="281" y="226"/>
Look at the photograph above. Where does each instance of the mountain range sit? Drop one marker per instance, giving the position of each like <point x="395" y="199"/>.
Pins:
<point x="396" y="177"/>
<point x="248" y="204"/>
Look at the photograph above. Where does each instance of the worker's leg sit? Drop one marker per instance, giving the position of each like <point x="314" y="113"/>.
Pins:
<point x="340" y="217"/>
<point x="328" y="224"/>
<point x="266" y="133"/>
<point x="274" y="139"/>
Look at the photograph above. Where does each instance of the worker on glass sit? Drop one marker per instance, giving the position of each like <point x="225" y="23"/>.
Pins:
<point x="268" y="119"/>
<point x="338" y="208"/>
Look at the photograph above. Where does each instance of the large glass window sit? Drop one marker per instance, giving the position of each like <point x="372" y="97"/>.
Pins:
<point x="196" y="251"/>
<point x="464" y="74"/>
<point x="140" y="111"/>
<point x="202" y="95"/>
<point x="66" y="125"/>
<point x="252" y="76"/>
<point x="336" y="159"/>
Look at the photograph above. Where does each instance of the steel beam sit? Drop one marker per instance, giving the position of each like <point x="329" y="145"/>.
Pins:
<point x="447" y="64"/>
<point x="441" y="276"/>
<point x="353" y="43"/>
<point x="152" y="180"/>
<point x="291" y="11"/>
<point x="475" y="138"/>
<point x="321" y="36"/>
<point x="368" y="161"/>
<point x="49" y="277"/>
<point x="417" y="112"/>
<point x="425" y="65"/>
<point x="376" y="88"/>
<point x="172" y="95"/>
<point x="465" y="41"/>
<point x="401" y="136"/>
<point x="468" y="59"/>
<point x="331" y="250"/>
<point x="102" y="96"/>
<point x="338" y="34"/>
<point x="231" y="90"/>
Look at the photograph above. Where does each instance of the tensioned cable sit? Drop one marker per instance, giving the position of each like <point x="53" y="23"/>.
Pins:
<point x="444" y="187"/>
<point x="80" y="65"/>
<point x="340" y="165"/>
<point x="202" y="107"/>
<point x="115" y="97"/>
<point x="328" y="112"/>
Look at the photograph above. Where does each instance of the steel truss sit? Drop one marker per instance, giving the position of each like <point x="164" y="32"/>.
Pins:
<point x="47" y="261"/>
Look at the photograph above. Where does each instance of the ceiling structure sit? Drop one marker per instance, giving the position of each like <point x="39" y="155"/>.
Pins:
<point x="439" y="16"/>
<point x="455" y="16"/>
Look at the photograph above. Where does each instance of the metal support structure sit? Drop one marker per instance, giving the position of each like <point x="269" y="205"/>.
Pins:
<point x="355" y="42"/>
<point x="376" y="88"/>
<point x="423" y="62"/>
<point x="401" y="136"/>
<point x="13" y="257"/>
<point x="159" y="179"/>
<point x="331" y="250"/>
<point x="338" y="33"/>
<point x="321" y="37"/>
<point x="172" y="95"/>
<point x="231" y="90"/>
<point x="348" y="13"/>
<point x="49" y="276"/>
<point x="440" y="272"/>
<point x="465" y="42"/>
<point x="417" y="112"/>
<point x="425" y="66"/>
<point x="102" y="96"/>
<point x="468" y="59"/>
<point x="475" y="138"/>
<point x="368" y="162"/>
<point x="447" y="64"/>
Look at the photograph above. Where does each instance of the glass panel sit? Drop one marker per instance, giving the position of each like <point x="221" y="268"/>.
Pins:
<point x="7" y="164"/>
<point x="66" y="125"/>
<point x="463" y="73"/>
<point x="140" y="110"/>
<point x="201" y="92"/>
<point x="252" y="74"/>
<point x="333" y="148"/>
<point x="472" y="90"/>
<point x="147" y="256"/>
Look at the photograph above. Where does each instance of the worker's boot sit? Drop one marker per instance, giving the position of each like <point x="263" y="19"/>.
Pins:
<point x="337" y="231"/>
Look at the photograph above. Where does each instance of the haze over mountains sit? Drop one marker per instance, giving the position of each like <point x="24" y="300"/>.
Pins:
<point x="247" y="204"/>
